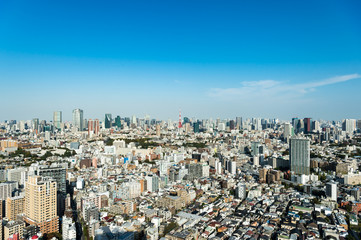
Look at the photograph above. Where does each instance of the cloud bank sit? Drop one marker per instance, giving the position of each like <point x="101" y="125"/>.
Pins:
<point x="272" y="88"/>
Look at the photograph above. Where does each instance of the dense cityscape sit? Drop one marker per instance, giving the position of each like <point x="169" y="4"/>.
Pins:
<point x="142" y="178"/>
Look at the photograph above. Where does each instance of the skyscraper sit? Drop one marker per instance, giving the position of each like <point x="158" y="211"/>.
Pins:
<point x="93" y="127"/>
<point x="196" y="127"/>
<point x="232" y="125"/>
<point x="307" y="125"/>
<point x="287" y="130"/>
<point x="239" y="122"/>
<point x="300" y="155"/>
<point x="241" y="190"/>
<point x="40" y="204"/>
<point x="118" y="123"/>
<point x="35" y="124"/>
<point x="331" y="190"/>
<point x="108" y="120"/>
<point x="57" y="173"/>
<point x="78" y="119"/>
<point x="57" y="119"/>
<point x="349" y="125"/>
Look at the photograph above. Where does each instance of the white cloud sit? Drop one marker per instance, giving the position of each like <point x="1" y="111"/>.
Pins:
<point x="271" y="88"/>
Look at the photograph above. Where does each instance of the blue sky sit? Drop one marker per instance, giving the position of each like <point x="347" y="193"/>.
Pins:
<point x="210" y="58"/>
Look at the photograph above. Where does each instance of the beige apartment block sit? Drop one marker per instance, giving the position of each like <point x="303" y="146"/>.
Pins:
<point x="41" y="203"/>
<point x="14" y="207"/>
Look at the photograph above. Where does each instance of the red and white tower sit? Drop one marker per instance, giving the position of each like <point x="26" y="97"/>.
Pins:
<point x="180" y="120"/>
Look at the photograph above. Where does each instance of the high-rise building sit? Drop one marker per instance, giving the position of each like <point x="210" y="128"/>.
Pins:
<point x="307" y="125"/>
<point x="19" y="175"/>
<point x="69" y="230"/>
<point x="78" y="119"/>
<point x="331" y="190"/>
<point x="35" y="124"/>
<point x="241" y="191"/>
<point x="255" y="148"/>
<point x="40" y="203"/>
<point x="300" y="155"/>
<point x="93" y="127"/>
<point x="152" y="183"/>
<point x="7" y="189"/>
<point x="14" y="230"/>
<point x="157" y="129"/>
<point x="58" y="173"/>
<point x="239" y="122"/>
<point x="196" y="127"/>
<point x="118" y="122"/>
<point x="256" y="160"/>
<point x="232" y="167"/>
<point x="14" y="207"/>
<point x="358" y="124"/>
<point x="232" y="125"/>
<point x="194" y="171"/>
<point x="218" y="166"/>
<point x="134" y="120"/>
<point x="108" y="120"/>
<point x="349" y="125"/>
<point x="287" y="130"/>
<point x="57" y="119"/>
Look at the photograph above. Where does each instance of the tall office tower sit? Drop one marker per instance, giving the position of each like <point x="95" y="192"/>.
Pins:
<point x="108" y="120"/>
<point x="93" y="127"/>
<point x="349" y="125"/>
<point x="194" y="171"/>
<point x="157" y="129"/>
<point x="40" y="204"/>
<point x="256" y="160"/>
<point x="287" y="130"/>
<point x="257" y="124"/>
<point x="57" y="119"/>
<point x="241" y="191"/>
<point x="358" y="124"/>
<point x="232" y="125"/>
<point x="218" y="166"/>
<point x="298" y="125"/>
<point x="300" y="155"/>
<point x="232" y="167"/>
<point x="78" y="119"/>
<point x="57" y="173"/>
<point x="255" y="148"/>
<point x="118" y="122"/>
<point x="134" y="120"/>
<point x="205" y="170"/>
<point x="196" y="127"/>
<point x="294" y="124"/>
<point x="239" y="122"/>
<point x="22" y="125"/>
<point x="152" y="183"/>
<point x="7" y="189"/>
<point x="14" y="207"/>
<point x="90" y="127"/>
<point x="316" y="126"/>
<point x="331" y="190"/>
<point x="35" y="124"/>
<point x="18" y="175"/>
<point x="85" y="123"/>
<point x="307" y="125"/>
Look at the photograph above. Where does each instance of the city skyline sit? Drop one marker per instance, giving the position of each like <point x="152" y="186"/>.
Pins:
<point x="102" y="117"/>
<point x="208" y="58"/>
<point x="183" y="120"/>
